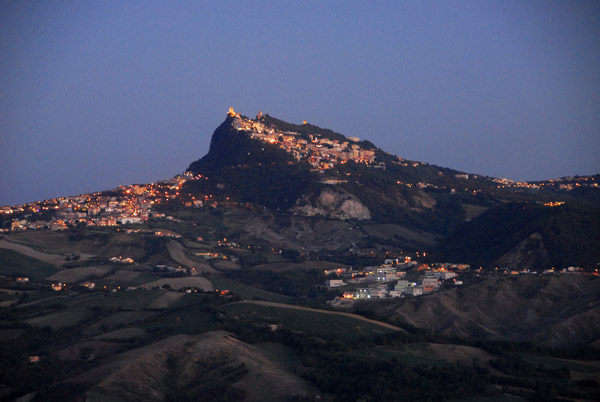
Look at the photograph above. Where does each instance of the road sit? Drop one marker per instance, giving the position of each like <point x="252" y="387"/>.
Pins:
<point x="177" y="253"/>
<point x="355" y="316"/>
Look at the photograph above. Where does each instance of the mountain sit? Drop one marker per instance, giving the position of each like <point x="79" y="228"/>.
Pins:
<point x="309" y="171"/>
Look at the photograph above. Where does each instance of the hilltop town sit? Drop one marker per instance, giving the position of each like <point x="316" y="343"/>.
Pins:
<point x="322" y="153"/>
<point x="124" y="205"/>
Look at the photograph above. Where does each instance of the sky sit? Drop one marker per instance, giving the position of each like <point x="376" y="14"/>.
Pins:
<point x="94" y="94"/>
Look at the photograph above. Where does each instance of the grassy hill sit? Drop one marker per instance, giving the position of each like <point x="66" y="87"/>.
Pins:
<point x="530" y="236"/>
<point x="554" y="311"/>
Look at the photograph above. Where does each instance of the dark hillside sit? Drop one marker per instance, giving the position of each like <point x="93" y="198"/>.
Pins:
<point x="550" y="310"/>
<point x="249" y="171"/>
<point x="527" y="236"/>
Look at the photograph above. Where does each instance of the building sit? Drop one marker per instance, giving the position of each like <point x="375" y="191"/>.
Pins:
<point x="57" y="287"/>
<point x="332" y="283"/>
<point x="123" y="220"/>
<point x="415" y="291"/>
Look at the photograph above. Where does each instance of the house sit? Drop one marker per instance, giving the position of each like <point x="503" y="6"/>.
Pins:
<point x="337" y="271"/>
<point x="178" y="270"/>
<point x="407" y="288"/>
<point x="332" y="283"/>
<point x="414" y="291"/>
<point x="447" y="275"/>
<point x="123" y="220"/>
<point x="378" y="293"/>
<point x="57" y="287"/>
<point x="121" y="260"/>
<point x="395" y="293"/>
<point x="429" y="284"/>
<point x="362" y="293"/>
<point x="58" y="225"/>
<point x="386" y="274"/>
<point x="19" y="225"/>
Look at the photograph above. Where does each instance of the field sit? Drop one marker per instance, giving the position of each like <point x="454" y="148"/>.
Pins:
<point x="580" y="370"/>
<point x="33" y="251"/>
<point x="247" y="291"/>
<point x="78" y="274"/>
<point x="312" y="322"/>
<point x="62" y="319"/>
<point x="118" y="319"/>
<point x="178" y="283"/>
<point x="177" y="252"/>
<point x="15" y="263"/>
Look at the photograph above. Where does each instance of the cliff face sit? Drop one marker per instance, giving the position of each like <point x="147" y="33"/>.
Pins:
<point x="246" y="170"/>
<point x="333" y="204"/>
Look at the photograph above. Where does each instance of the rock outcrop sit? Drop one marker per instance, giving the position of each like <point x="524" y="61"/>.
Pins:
<point x="333" y="204"/>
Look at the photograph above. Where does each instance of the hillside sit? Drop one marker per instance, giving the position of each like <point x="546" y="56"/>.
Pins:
<point x="552" y="311"/>
<point x="315" y="172"/>
<point x="528" y="236"/>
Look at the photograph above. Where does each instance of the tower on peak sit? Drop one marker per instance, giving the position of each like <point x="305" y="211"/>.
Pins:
<point x="259" y="115"/>
<point x="304" y="122"/>
<point x="231" y="112"/>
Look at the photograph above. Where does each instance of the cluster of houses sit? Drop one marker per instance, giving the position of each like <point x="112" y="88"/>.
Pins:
<point x="90" y="210"/>
<point x="133" y="205"/>
<point x="563" y="183"/>
<point x="387" y="280"/>
<point x="122" y="260"/>
<point x="322" y="153"/>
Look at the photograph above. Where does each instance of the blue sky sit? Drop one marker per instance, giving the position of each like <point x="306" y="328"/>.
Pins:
<point x="97" y="94"/>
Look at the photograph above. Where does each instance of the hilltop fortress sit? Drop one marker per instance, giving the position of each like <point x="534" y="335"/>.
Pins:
<point x="320" y="152"/>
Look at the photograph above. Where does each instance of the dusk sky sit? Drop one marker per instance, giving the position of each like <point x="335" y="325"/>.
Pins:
<point x="94" y="94"/>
